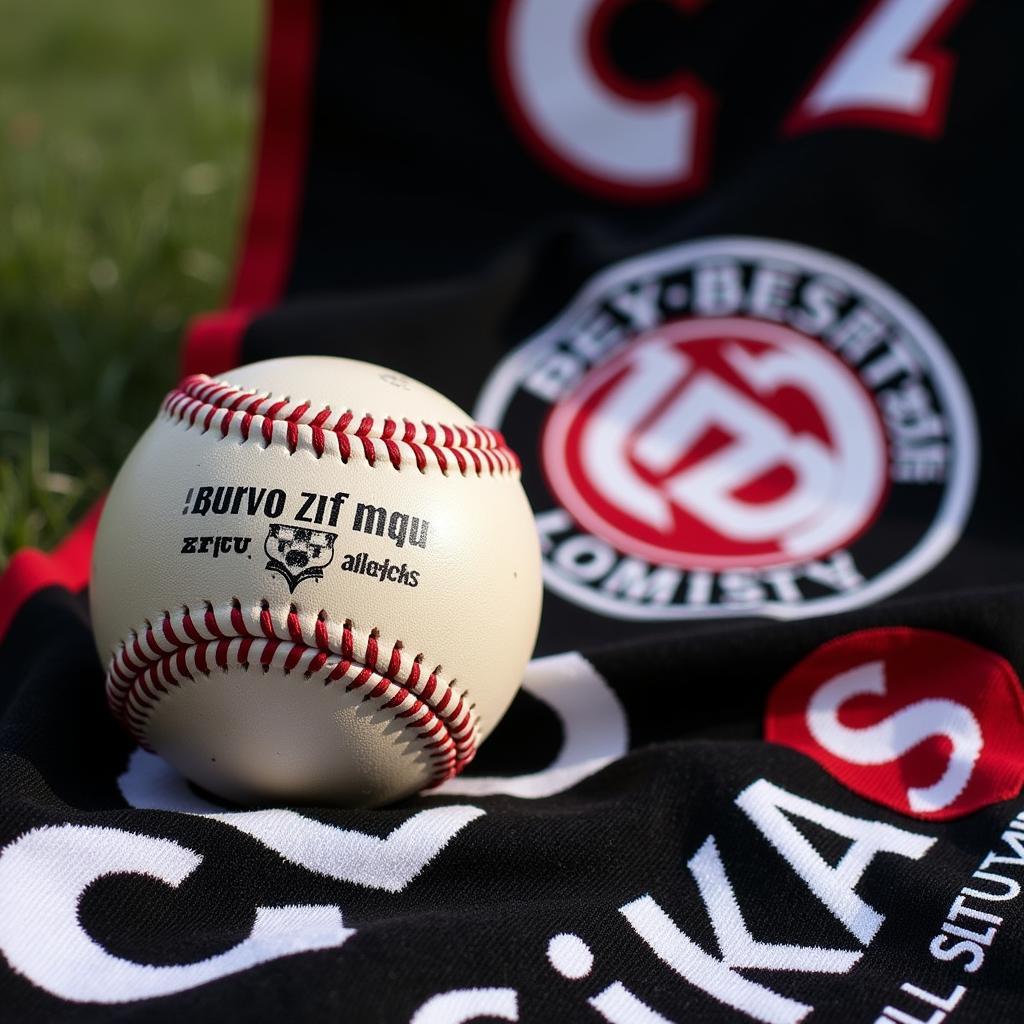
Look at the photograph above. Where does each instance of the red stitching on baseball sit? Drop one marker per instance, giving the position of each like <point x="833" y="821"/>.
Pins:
<point x="212" y="404"/>
<point x="156" y="657"/>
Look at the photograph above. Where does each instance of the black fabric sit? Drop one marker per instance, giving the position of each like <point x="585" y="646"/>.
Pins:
<point x="433" y="240"/>
<point x="446" y="244"/>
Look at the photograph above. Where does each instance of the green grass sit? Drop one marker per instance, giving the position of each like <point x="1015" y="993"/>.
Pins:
<point x="125" y="142"/>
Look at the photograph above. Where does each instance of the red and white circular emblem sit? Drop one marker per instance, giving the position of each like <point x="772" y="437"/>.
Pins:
<point x="923" y="722"/>
<point x="717" y="443"/>
<point x="737" y="426"/>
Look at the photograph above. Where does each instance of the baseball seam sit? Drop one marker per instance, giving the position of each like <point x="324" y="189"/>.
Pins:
<point x="180" y="646"/>
<point x="248" y="415"/>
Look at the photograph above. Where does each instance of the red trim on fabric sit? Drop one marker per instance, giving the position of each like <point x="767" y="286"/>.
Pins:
<point x="30" y="570"/>
<point x="213" y="341"/>
<point x="288" y="71"/>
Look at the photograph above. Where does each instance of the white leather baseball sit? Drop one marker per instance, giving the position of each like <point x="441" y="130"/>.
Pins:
<point x="316" y="581"/>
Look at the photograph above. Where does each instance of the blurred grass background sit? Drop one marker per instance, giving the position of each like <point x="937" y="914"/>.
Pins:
<point x="125" y="144"/>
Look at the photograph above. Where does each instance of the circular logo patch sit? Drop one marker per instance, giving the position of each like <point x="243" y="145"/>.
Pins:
<point x="738" y="427"/>
<point x="722" y="442"/>
<point x="922" y="722"/>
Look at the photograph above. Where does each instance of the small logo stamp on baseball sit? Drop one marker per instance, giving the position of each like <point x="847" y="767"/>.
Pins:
<point x="215" y="546"/>
<point x="298" y="553"/>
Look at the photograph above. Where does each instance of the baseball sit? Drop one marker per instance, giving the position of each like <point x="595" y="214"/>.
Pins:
<point x="314" y="581"/>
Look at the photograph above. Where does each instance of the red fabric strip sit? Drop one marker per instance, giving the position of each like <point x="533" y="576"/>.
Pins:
<point x="289" y="65"/>
<point x="29" y="570"/>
